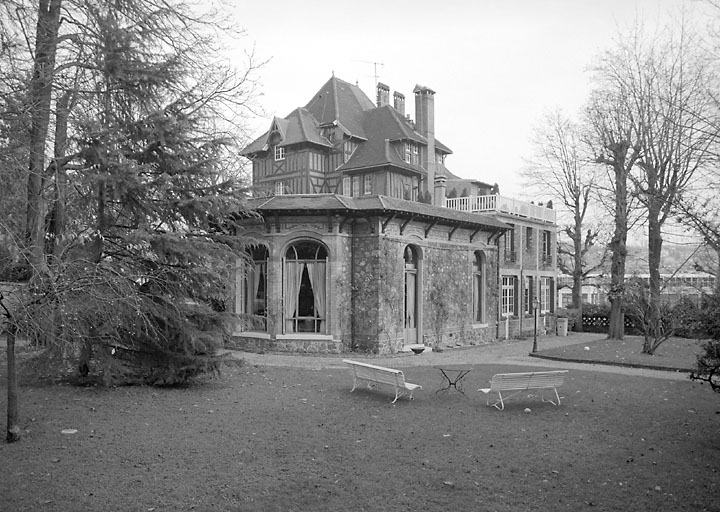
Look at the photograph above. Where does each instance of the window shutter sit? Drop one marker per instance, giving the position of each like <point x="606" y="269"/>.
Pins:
<point x="531" y="291"/>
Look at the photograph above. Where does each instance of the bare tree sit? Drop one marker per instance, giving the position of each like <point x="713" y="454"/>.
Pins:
<point x="660" y="84"/>
<point x="677" y="142"/>
<point x="699" y="211"/>
<point x="615" y="144"/>
<point x="560" y="167"/>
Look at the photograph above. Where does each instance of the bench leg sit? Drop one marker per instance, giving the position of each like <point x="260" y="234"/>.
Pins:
<point x="557" y="397"/>
<point x="498" y="401"/>
<point x="399" y="392"/>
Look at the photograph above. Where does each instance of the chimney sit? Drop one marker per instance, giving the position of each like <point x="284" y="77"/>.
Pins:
<point x="399" y="102"/>
<point x="440" y="189"/>
<point x="425" y="125"/>
<point x="383" y="94"/>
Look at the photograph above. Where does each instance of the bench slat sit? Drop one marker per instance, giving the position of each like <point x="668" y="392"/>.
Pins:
<point x="374" y="374"/>
<point x="524" y="381"/>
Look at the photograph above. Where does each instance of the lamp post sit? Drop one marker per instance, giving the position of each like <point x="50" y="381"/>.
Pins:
<point x="535" y="304"/>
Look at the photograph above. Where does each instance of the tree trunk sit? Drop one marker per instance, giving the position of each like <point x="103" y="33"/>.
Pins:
<point x="717" y="270"/>
<point x="57" y="224"/>
<point x="577" y="270"/>
<point x="655" y="242"/>
<point x="616" y="327"/>
<point x="13" y="429"/>
<point x="40" y="98"/>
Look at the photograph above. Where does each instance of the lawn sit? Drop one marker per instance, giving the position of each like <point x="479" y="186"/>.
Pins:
<point x="290" y="439"/>
<point x="675" y="354"/>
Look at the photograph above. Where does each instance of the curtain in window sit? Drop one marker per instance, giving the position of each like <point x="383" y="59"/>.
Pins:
<point x="476" y="296"/>
<point x="316" y="273"/>
<point x="410" y="300"/>
<point x="258" y="277"/>
<point x="251" y="279"/>
<point x="293" y="278"/>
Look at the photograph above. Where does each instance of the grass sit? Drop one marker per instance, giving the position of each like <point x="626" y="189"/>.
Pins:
<point x="290" y="439"/>
<point x="675" y="354"/>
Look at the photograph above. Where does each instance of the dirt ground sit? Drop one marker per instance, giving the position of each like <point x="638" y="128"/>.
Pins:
<point x="279" y="438"/>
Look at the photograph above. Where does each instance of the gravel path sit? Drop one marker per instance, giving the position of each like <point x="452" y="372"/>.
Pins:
<point x="510" y="352"/>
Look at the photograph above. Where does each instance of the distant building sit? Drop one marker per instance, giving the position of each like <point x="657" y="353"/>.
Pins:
<point x="689" y="285"/>
<point x="360" y="250"/>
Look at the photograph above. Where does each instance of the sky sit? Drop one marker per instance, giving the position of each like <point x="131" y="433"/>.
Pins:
<point x="497" y="66"/>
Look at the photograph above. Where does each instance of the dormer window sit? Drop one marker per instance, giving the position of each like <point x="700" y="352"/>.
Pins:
<point x="279" y="153"/>
<point x="412" y="153"/>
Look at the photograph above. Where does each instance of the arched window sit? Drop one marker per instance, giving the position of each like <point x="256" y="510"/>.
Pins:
<point x="478" y="279"/>
<point x="253" y="293"/>
<point x="305" y="287"/>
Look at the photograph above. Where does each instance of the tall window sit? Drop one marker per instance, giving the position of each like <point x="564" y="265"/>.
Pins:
<point x="479" y="287"/>
<point x="529" y="295"/>
<point x="411" y="293"/>
<point x="528" y="238"/>
<point x="509" y="237"/>
<point x="279" y="188"/>
<point x="356" y="186"/>
<point x="252" y="301"/>
<point x="546" y="294"/>
<point x="305" y="287"/>
<point x="367" y="184"/>
<point x="347" y="186"/>
<point x="546" y="248"/>
<point x="279" y="153"/>
<point x="508" y="295"/>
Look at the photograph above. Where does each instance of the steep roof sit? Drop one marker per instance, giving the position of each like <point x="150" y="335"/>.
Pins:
<point x="384" y="125"/>
<point x="342" y="102"/>
<point x="346" y="106"/>
<point x="298" y="126"/>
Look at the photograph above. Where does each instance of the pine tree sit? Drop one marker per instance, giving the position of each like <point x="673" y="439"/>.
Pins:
<point x="139" y="241"/>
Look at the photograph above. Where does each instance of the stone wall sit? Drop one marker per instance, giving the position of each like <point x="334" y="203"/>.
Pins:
<point x="305" y="345"/>
<point x="366" y="286"/>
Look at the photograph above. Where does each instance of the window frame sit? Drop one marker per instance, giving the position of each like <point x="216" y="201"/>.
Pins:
<point x="279" y="188"/>
<point x="257" y="258"/>
<point x="479" y="288"/>
<point x="507" y="294"/>
<point x="509" y="253"/>
<point x="367" y="184"/>
<point x="318" y="321"/>
<point x="279" y="153"/>
<point x="546" y="295"/>
<point x="547" y="247"/>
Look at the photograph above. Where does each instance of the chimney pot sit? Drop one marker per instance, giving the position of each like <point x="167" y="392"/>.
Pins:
<point x="399" y="102"/>
<point x="383" y="94"/>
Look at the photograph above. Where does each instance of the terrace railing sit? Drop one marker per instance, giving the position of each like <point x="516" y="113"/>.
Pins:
<point x="501" y="204"/>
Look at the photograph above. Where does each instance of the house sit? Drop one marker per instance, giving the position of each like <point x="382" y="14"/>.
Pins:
<point x="527" y="255"/>
<point x="358" y="249"/>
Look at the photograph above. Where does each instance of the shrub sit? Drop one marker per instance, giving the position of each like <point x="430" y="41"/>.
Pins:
<point x="708" y="363"/>
<point x="572" y="314"/>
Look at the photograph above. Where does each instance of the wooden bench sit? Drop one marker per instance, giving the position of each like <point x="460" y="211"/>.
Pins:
<point x="519" y="382"/>
<point x="364" y="372"/>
